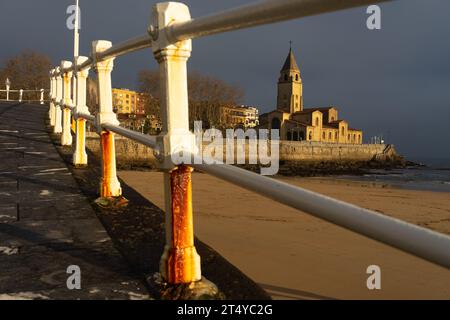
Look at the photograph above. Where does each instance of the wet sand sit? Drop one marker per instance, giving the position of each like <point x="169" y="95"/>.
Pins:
<point x="296" y="256"/>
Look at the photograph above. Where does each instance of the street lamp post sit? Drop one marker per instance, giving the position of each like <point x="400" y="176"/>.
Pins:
<point x="8" y="84"/>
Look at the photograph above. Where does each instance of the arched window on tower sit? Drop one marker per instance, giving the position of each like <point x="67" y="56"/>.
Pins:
<point x="317" y="121"/>
<point x="285" y="77"/>
<point x="296" y="77"/>
<point x="310" y="136"/>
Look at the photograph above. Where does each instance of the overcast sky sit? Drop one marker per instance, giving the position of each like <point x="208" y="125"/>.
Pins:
<point x="395" y="81"/>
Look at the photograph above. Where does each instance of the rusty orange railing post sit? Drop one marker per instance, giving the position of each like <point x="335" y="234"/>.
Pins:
<point x="109" y="185"/>
<point x="180" y="262"/>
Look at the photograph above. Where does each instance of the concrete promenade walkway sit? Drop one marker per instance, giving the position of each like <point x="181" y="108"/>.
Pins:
<point x="46" y="224"/>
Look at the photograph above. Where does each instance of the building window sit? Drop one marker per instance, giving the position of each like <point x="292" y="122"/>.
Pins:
<point x="343" y="131"/>
<point x="289" y="135"/>
<point x="295" y="137"/>
<point x="276" y="123"/>
<point x="336" y="136"/>
<point x="323" y="135"/>
<point x="310" y="135"/>
<point x="317" y="121"/>
<point x="285" y="77"/>
<point x="301" y="136"/>
<point x="348" y="137"/>
<point x="329" y="136"/>
<point x="296" y="77"/>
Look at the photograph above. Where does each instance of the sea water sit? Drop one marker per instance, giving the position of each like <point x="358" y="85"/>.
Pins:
<point x="434" y="176"/>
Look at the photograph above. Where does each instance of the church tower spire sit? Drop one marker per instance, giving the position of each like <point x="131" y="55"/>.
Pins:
<point x="290" y="87"/>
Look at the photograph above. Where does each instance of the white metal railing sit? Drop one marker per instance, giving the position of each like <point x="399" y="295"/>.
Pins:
<point x="169" y="36"/>
<point x="20" y="97"/>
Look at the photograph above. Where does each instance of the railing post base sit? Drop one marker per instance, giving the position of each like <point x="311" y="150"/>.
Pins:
<point x="80" y="158"/>
<point x="66" y="137"/>
<point x="199" y="290"/>
<point x="52" y="113"/>
<point x="58" y="118"/>
<point x="109" y="185"/>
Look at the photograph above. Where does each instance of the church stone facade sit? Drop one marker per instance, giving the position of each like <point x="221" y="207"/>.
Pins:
<point x="297" y="123"/>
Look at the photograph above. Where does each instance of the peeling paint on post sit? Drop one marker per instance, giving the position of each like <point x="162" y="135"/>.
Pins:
<point x="183" y="262"/>
<point x="109" y="186"/>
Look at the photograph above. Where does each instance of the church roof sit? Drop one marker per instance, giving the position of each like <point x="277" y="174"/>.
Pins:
<point x="318" y="109"/>
<point x="298" y="122"/>
<point x="306" y="111"/>
<point x="290" y="63"/>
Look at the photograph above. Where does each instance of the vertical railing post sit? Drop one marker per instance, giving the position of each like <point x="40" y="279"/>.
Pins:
<point x="80" y="156"/>
<point x="109" y="186"/>
<point x="54" y="94"/>
<point x="50" y="97"/>
<point x="42" y="96"/>
<point x="59" y="85"/>
<point x="74" y="98"/>
<point x="180" y="262"/>
<point x="20" y="95"/>
<point x="8" y="84"/>
<point x="66" y="137"/>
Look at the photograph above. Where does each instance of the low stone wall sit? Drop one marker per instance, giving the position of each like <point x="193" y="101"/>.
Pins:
<point x="128" y="152"/>
<point x="131" y="154"/>
<point x="313" y="151"/>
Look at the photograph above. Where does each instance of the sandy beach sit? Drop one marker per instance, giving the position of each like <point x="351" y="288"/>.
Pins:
<point x="296" y="256"/>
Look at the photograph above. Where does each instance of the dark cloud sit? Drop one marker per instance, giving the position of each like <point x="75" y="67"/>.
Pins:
<point x="395" y="81"/>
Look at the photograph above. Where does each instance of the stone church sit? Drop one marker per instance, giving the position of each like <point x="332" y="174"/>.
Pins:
<point x="297" y="123"/>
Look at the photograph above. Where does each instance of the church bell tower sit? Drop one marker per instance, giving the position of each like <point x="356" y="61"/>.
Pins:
<point x="290" y="88"/>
